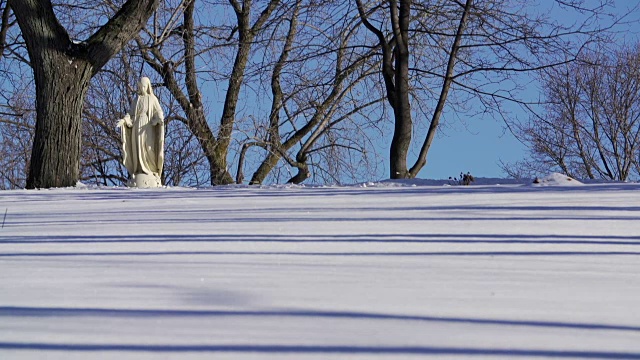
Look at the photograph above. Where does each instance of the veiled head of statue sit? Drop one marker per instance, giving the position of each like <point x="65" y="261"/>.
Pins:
<point x="144" y="86"/>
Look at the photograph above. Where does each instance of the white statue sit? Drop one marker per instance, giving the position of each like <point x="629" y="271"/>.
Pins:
<point x="142" y="131"/>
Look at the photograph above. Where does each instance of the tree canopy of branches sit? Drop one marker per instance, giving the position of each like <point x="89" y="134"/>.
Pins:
<point x="590" y="127"/>
<point x="263" y="91"/>
<point x="295" y="62"/>
<point x="473" y="48"/>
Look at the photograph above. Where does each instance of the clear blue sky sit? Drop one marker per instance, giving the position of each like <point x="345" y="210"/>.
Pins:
<point x="476" y="148"/>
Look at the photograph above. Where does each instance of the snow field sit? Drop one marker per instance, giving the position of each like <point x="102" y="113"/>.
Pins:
<point x="383" y="271"/>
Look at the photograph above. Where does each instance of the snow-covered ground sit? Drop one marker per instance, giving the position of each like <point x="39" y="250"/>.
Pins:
<point x="389" y="270"/>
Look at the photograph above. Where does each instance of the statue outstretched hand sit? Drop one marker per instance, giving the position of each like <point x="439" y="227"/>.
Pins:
<point x="125" y="121"/>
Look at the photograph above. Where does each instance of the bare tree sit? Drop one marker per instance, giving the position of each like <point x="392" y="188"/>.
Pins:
<point x="171" y="67"/>
<point x="473" y="48"/>
<point x="590" y="128"/>
<point x="62" y="69"/>
<point x="17" y="120"/>
<point x="298" y="89"/>
<point x="17" y="112"/>
<point x="299" y="59"/>
<point x="6" y="22"/>
<point x="314" y="119"/>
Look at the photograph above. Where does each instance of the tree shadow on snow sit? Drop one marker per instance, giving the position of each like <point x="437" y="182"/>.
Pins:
<point x="321" y="349"/>
<point x="18" y="311"/>
<point x="327" y="254"/>
<point x="332" y="239"/>
<point x="309" y="349"/>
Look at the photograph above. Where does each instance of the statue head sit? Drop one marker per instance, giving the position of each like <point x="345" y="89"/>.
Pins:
<point x="144" y="86"/>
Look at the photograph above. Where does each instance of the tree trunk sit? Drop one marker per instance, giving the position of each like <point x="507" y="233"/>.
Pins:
<point x="303" y="170"/>
<point x="444" y="92"/>
<point x="191" y="102"/>
<point x="396" y="80"/>
<point x="61" y="84"/>
<point x="403" y="128"/>
<point x="265" y="168"/>
<point x="221" y="176"/>
<point x="401" y="140"/>
<point x="197" y="123"/>
<point x="275" y="142"/>
<point x="246" y="35"/>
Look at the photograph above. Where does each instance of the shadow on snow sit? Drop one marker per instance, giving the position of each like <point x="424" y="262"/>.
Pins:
<point x="353" y="239"/>
<point x="323" y="349"/>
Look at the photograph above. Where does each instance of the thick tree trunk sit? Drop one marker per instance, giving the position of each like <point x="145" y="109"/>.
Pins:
<point x="61" y="84"/>
<point x="197" y="123"/>
<point x="396" y="80"/>
<point x="401" y="141"/>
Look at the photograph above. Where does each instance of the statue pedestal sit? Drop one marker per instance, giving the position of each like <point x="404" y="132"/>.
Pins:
<point x="144" y="181"/>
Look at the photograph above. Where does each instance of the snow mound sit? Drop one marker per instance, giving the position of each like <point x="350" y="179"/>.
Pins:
<point x="556" y="179"/>
<point x="446" y="182"/>
<point x="80" y="185"/>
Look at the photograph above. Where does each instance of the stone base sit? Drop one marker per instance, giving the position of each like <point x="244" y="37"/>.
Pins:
<point x="144" y="181"/>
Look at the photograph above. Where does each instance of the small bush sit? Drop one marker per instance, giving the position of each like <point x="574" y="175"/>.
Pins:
<point x="465" y="179"/>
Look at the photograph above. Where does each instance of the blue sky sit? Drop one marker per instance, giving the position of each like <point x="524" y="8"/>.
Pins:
<point x="477" y="148"/>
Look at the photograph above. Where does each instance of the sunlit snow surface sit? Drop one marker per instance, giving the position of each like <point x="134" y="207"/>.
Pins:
<point x="389" y="270"/>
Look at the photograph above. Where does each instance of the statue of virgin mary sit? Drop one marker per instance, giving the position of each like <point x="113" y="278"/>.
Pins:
<point x="142" y="131"/>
